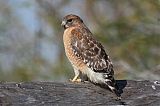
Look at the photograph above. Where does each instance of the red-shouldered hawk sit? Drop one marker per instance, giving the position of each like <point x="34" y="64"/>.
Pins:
<point x="86" y="54"/>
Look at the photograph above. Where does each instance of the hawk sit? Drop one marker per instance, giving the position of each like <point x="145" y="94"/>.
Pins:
<point x="86" y="54"/>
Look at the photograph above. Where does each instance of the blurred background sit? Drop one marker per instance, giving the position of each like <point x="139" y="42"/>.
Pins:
<point x="31" y="45"/>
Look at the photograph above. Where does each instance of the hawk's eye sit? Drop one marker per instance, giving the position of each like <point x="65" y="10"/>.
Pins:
<point x="70" y="20"/>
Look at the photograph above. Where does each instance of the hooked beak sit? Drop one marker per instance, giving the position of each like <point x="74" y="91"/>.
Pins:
<point x="63" y="23"/>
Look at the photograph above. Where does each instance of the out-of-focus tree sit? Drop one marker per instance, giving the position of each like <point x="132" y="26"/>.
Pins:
<point x="129" y="30"/>
<point x="16" y="46"/>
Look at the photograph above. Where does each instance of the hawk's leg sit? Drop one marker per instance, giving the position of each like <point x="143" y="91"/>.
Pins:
<point x="77" y="76"/>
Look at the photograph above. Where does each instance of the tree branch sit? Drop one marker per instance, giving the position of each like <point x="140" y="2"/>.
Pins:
<point x="80" y="94"/>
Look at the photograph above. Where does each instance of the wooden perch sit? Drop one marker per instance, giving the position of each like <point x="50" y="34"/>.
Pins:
<point x="80" y="94"/>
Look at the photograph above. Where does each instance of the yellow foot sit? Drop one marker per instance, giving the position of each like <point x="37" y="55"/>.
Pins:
<point x="75" y="80"/>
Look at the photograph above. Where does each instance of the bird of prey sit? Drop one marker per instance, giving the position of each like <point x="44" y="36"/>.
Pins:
<point x="86" y="54"/>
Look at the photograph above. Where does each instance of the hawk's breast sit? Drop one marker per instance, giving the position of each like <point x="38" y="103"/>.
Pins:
<point x="77" y="62"/>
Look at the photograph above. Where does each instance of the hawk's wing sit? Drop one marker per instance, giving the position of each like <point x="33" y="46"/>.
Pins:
<point x="90" y="51"/>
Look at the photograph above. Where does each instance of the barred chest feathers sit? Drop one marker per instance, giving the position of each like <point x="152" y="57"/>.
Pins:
<point x="75" y="61"/>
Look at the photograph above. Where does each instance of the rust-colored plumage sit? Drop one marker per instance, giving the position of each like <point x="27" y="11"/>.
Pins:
<point x="86" y="54"/>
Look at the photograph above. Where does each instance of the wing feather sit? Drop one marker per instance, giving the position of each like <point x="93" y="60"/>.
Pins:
<point x="90" y="51"/>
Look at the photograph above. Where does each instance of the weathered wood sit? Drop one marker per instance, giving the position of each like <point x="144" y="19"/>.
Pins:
<point x="80" y="94"/>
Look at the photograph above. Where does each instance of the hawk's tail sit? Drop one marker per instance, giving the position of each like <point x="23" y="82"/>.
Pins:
<point x="111" y="84"/>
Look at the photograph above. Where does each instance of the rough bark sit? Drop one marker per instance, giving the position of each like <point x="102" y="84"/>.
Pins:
<point x="78" y="94"/>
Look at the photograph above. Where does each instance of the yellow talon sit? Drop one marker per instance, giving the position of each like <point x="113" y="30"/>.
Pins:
<point x="75" y="79"/>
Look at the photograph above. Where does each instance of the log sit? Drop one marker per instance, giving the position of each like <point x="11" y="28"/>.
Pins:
<point x="78" y="94"/>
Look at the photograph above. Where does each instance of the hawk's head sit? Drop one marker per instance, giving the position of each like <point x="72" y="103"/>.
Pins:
<point x="71" y="20"/>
